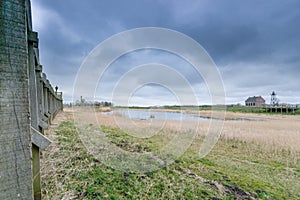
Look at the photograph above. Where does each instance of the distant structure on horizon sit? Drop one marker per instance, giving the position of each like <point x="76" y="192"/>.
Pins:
<point x="274" y="99"/>
<point x="255" y="101"/>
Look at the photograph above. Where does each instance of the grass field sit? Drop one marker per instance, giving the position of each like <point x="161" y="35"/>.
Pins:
<point x="238" y="109"/>
<point x="242" y="165"/>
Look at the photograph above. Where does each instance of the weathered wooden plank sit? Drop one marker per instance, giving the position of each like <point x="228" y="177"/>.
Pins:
<point x="41" y="141"/>
<point x="27" y="99"/>
<point x="15" y="145"/>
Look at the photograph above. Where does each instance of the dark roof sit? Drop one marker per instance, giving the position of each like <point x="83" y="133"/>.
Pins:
<point x="254" y="98"/>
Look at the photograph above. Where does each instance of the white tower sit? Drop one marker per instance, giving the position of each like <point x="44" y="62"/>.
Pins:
<point x="274" y="99"/>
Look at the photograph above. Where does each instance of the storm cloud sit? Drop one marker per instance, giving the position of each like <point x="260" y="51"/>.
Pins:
<point x="255" y="44"/>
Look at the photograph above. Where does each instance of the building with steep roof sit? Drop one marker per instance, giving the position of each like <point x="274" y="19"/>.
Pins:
<point x="255" y="101"/>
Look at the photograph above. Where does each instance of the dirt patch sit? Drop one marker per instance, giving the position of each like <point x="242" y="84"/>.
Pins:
<point x="237" y="192"/>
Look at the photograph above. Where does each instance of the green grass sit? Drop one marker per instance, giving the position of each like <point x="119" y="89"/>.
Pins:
<point x="244" y="169"/>
<point x="260" y="110"/>
<point x="241" y="109"/>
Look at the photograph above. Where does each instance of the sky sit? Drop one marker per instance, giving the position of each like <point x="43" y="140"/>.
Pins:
<point x="254" y="44"/>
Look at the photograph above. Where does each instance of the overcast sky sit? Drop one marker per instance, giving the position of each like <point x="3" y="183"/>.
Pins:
<point x="255" y="44"/>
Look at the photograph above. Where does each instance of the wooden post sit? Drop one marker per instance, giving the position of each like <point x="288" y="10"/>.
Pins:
<point x="49" y="101"/>
<point x="20" y="104"/>
<point x="34" y="112"/>
<point x="38" y="71"/>
<point x="46" y="106"/>
<point x="15" y="136"/>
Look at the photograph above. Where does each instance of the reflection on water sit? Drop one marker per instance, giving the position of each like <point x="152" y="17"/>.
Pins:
<point x="158" y="115"/>
<point x="154" y="115"/>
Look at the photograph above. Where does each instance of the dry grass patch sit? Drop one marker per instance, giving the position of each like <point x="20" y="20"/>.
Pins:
<point x="252" y="159"/>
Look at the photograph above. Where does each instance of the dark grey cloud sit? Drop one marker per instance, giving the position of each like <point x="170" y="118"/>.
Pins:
<point x="247" y="30"/>
<point x="255" y="43"/>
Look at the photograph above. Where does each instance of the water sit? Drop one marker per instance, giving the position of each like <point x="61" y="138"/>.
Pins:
<point x="152" y="115"/>
<point x="158" y="115"/>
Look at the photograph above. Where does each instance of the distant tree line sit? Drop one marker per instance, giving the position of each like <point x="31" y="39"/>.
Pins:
<point x="83" y="102"/>
<point x="103" y="104"/>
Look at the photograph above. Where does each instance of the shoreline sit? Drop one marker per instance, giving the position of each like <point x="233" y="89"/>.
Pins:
<point x="209" y="114"/>
<point x="278" y="131"/>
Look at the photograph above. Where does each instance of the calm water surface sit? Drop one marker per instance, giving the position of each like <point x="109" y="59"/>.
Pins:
<point x="158" y="115"/>
<point x="144" y="114"/>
